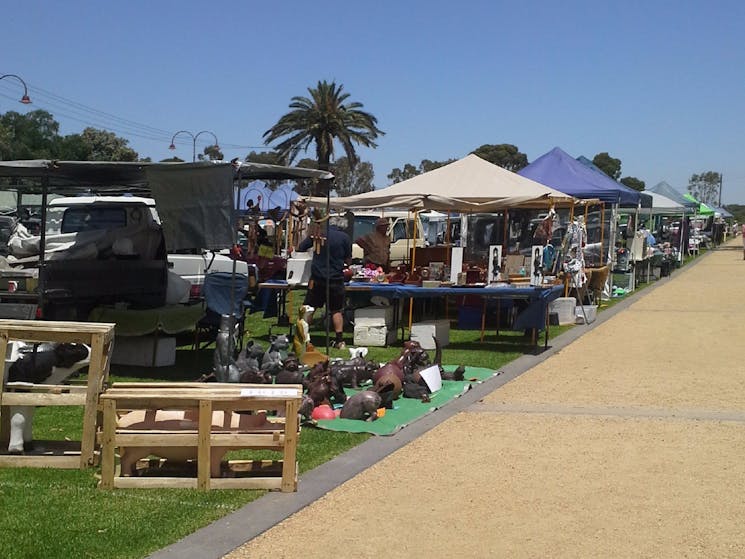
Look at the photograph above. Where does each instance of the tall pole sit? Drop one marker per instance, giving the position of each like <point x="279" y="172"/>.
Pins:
<point x="720" y="190"/>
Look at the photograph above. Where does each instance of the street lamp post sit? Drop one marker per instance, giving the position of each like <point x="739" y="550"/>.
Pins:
<point x="193" y="141"/>
<point x="26" y="100"/>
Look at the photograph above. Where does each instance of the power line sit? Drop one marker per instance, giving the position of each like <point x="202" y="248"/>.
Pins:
<point x="79" y="112"/>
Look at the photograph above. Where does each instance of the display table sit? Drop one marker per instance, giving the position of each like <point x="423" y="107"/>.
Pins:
<point x="533" y="317"/>
<point x="58" y="454"/>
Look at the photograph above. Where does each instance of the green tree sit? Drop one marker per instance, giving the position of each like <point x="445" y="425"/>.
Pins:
<point x="506" y="156"/>
<point x="350" y="180"/>
<point x="93" y="144"/>
<point x="409" y="171"/>
<point x="30" y="136"/>
<point x="173" y="159"/>
<point x="211" y="153"/>
<point x="609" y="165"/>
<point x="633" y="182"/>
<point x="266" y="157"/>
<point x="399" y="175"/>
<point x="705" y="187"/>
<point x="327" y="116"/>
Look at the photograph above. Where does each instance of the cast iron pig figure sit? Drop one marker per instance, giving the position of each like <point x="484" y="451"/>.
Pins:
<point x="353" y="372"/>
<point x="363" y="405"/>
<point x="326" y="389"/>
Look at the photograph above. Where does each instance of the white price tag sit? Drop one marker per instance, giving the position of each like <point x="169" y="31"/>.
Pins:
<point x="269" y="392"/>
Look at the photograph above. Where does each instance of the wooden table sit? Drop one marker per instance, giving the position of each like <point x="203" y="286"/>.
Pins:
<point x="204" y="398"/>
<point x="58" y="454"/>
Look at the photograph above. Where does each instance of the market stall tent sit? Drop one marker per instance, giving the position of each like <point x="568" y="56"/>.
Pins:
<point x="662" y="205"/>
<point x="702" y="209"/>
<point x="468" y="184"/>
<point x="666" y="190"/>
<point x="557" y="169"/>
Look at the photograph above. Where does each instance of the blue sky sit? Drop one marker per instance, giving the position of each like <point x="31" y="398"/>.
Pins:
<point x="657" y="84"/>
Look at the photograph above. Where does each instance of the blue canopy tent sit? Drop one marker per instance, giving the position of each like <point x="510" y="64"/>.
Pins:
<point x="644" y="198"/>
<point x="563" y="172"/>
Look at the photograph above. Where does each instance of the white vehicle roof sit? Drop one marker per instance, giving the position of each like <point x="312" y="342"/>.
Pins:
<point x="80" y="200"/>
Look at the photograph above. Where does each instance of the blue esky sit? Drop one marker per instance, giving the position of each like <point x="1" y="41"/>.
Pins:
<point x="657" y="84"/>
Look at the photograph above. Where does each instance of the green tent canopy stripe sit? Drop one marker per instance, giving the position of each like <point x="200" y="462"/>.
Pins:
<point x="408" y="410"/>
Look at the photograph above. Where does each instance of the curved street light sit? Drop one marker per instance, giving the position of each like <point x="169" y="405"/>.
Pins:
<point x="26" y="100"/>
<point x="193" y="141"/>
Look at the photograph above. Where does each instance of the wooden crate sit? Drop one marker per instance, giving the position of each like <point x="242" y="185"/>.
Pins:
<point x="57" y="454"/>
<point x="204" y="398"/>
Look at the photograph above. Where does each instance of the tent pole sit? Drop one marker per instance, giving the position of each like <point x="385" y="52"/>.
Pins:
<point x="43" y="240"/>
<point x="413" y="263"/>
<point x="602" y="231"/>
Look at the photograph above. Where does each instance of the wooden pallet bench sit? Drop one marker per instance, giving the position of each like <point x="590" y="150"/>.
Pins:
<point x="56" y="454"/>
<point x="203" y="399"/>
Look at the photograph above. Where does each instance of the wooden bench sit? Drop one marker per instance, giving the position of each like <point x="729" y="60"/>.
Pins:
<point x="203" y="398"/>
<point x="56" y="454"/>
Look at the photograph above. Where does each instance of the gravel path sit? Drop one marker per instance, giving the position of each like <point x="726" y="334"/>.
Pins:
<point x="629" y="442"/>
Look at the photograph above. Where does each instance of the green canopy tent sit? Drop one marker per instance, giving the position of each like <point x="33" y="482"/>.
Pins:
<point x="703" y="209"/>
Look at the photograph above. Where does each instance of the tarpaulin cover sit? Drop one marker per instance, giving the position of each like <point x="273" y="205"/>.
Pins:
<point x="195" y="205"/>
<point x="563" y="172"/>
<point x="408" y="410"/>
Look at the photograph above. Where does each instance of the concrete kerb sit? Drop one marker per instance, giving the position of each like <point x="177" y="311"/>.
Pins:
<point x="241" y="526"/>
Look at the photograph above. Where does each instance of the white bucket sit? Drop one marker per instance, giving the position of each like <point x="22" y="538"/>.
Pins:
<point x="431" y="376"/>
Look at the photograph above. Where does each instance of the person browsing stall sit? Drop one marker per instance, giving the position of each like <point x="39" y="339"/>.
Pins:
<point x="377" y="245"/>
<point x="327" y="268"/>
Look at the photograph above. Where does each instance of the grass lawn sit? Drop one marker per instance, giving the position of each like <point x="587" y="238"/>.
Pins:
<point x="61" y="513"/>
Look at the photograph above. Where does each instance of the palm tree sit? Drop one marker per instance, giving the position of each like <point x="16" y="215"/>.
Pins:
<point x="322" y="118"/>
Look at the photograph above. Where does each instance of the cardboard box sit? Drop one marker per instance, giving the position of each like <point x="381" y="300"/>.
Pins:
<point x="423" y="333"/>
<point x="374" y="316"/>
<point x="376" y="336"/>
<point x="144" y="351"/>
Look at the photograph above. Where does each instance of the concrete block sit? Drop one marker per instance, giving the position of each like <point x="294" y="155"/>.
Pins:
<point x="564" y="308"/>
<point x="374" y="316"/>
<point x="376" y="336"/>
<point x="422" y="332"/>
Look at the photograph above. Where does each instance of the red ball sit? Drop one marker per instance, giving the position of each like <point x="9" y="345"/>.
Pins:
<point x="323" y="411"/>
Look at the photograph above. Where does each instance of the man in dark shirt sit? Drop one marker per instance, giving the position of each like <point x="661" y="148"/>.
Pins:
<point x="337" y="249"/>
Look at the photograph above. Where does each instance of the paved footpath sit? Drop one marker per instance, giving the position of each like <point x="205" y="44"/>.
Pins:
<point x="627" y="439"/>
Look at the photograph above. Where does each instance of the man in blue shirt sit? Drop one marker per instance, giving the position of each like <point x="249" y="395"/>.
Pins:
<point x="327" y="269"/>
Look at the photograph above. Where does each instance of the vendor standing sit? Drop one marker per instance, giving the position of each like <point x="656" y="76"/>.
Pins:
<point x="327" y="269"/>
<point x="377" y="246"/>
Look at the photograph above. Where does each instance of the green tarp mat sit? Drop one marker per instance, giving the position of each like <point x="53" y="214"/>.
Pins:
<point x="408" y="410"/>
